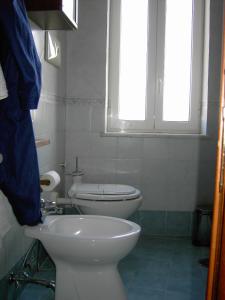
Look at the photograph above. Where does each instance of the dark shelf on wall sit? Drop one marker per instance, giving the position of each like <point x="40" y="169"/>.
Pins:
<point x="53" y="14"/>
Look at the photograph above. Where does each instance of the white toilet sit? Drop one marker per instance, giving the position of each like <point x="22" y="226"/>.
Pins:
<point x="105" y="199"/>
<point x="86" y="251"/>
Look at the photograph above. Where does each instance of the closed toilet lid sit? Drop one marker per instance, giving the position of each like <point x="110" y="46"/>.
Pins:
<point x="101" y="192"/>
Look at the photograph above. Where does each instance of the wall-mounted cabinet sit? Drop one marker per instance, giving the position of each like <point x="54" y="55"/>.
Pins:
<point x="53" y="14"/>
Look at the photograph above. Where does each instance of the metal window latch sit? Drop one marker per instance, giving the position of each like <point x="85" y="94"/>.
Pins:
<point x="159" y="86"/>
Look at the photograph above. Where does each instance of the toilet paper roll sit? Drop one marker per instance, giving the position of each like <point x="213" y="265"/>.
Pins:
<point x="52" y="179"/>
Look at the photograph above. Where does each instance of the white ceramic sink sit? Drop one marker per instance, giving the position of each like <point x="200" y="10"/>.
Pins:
<point x="86" y="250"/>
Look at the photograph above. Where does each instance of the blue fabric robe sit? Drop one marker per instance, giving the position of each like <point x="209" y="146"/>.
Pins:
<point x="19" y="174"/>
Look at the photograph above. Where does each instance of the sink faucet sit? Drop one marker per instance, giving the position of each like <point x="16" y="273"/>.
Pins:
<point x="24" y="277"/>
<point x="50" y="208"/>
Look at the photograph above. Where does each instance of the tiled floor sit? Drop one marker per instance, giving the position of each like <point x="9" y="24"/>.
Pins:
<point x="164" y="269"/>
<point x="157" y="269"/>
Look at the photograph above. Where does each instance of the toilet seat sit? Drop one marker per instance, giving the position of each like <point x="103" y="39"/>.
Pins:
<point x="107" y="192"/>
<point x="113" y="200"/>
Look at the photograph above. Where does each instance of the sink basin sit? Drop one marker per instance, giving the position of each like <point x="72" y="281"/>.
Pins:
<point x="86" y="250"/>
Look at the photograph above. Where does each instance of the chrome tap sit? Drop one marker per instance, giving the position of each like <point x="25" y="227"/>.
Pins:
<point x="50" y="208"/>
<point x="26" y="278"/>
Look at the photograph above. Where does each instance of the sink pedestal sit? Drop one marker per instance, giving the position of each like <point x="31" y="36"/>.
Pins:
<point x="88" y="283"/>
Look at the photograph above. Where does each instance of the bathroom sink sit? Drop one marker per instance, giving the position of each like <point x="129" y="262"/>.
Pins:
<point x="86" y="250"/>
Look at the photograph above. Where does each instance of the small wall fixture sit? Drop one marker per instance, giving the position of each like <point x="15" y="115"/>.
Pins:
<point x="52" y="49"/>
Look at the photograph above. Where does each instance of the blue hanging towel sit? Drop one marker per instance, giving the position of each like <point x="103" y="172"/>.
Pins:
<point x="19" y="174"/>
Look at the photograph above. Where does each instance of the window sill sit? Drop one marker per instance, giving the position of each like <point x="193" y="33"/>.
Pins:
<point x="156" y="135"/>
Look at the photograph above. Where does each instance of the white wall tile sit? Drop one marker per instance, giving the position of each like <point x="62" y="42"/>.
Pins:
<point x="182" y="172"/>
<point x="78" y="144"/>
<point x="103" y="147"/>
<point x="155" y="196"/>
<point x="98" y="170"/>
<point x="98" y="117"/>
<point x="78" y="117"/>
<point x="130" y="147"/>
<point x="155" y="171"/>
<point x="183" y="149"/>
<point x="128" y="171"/>
<point x="182" y="198"/>
<point x="86" y="54"/>
<point x="156" y="148"/>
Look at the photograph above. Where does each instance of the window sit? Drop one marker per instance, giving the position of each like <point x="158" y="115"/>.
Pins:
<point x="155" y="63"/>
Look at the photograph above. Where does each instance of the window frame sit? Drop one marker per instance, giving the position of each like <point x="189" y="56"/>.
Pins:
<point x="155" y="70"/>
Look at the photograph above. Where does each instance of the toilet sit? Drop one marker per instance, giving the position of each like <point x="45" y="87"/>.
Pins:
<point x="113" y="200"/>
<point x="86" y="251"/>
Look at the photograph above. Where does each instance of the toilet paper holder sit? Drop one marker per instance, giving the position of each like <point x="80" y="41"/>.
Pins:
<point x="49" y="181"/>
<point x="45" y="182"/>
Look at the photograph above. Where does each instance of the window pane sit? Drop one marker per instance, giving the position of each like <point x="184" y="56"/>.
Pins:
<point x="133" y="59"/>
<point x="177" y="65"/>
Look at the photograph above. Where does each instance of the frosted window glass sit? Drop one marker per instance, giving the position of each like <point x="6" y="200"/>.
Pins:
<point x="178" y="55"/>
<point x="133" y="59"/>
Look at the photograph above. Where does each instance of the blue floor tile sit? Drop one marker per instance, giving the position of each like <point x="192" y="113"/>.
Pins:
<point x="145" y="294"/>
<point x="185" y="285"/>
<point x="181" y="296"/>
<point x="36" y="292"/>
<point x="178" y="223"/>
<point x="166" y="269"/>
<point x="153" y="222"/>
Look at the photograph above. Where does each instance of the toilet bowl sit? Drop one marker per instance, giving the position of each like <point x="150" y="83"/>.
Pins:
<point x="86" y="251"/>
<point x="113" y="200"/>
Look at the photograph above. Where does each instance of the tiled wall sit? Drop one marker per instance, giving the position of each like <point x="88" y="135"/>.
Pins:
<point x="49" y="122"/>
<point x="49" y="119"/>
<point x="166" y="223"/>
<point x="173" y="173"/>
